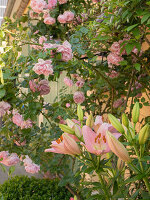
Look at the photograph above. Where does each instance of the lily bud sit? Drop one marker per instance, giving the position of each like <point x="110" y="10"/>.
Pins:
<point x="135" y="113"/>
<point x="80" y="112"/>
<point x="125" y="120"/>
<point x="120" y="164"/>
<point x="117" y="147"/>
<point x="90" y="121"/>
<point x="70" y="123"/>
<point x="66" y="129"/>
<point x="75" y="198"/>
<point x="144" y="134"/>
<point x="77" y="130"/>
<point x="116" y="124"/>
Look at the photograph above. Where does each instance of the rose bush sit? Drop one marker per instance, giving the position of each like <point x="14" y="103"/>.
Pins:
<point x="98" y="45"/>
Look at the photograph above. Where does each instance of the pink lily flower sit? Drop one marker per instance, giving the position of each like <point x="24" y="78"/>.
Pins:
<point x="96" y="142"/>
<point x="64" y="145"/>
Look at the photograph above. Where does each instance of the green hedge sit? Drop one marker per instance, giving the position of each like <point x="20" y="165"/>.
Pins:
<point x="25" y="188"/>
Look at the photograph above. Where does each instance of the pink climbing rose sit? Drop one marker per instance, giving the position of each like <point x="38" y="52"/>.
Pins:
<point x="43" y="67"/>
<point x="62" y="1"/>
<point x="17" y="119"/>
<point x="38" y="5"/>
<point x="66" y="51"/>
<point x="51" y="4"/>
<point x="42" y="39"/>
<point x="32" y="168"/>
<point x="10" y="160"/>
<point x="4" y="108"/>
<point x="66" y="17"/>
<point x="33" y="85"/>
<point x="43" y="87"/>
<point x="68" y="81"/>
<point x="114" y="59"/>
<point x="78" y="97"/>
<point x="49" y="20"/>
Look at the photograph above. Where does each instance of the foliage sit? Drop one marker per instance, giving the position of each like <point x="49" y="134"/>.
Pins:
<point x="107" y="41"/>
<point x="23" y="187"/>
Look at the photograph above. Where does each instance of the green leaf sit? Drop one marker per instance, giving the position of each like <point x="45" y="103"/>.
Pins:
<point x="2" y="93"/>
<point x="129" y="47"/>
<point x="132" y="27"/>
<point x="11" y="170"/>
<point x="142" y="99"/>
<point x="124" y="62"/>
<point x="148" y="3"/>
<point x="115" y="188"/>
<point x="133" y="179"/>
<point x="84" y="30"/>
<point x="145" y="18"/>
<point x="145" y="158"/>
<point x="137" y="66"/>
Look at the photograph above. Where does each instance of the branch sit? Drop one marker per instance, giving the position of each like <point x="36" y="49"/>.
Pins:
<point x="97" y="54"/>
<point x="129" y="90"/>
<point x="70" y="188"/>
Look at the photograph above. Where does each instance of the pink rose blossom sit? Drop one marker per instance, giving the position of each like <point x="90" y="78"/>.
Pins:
<point x="51" y="4"/>
<point x="67" y="17"/>
<point x="66" y="51"/>
<point x="62" y="1"/>
<point x="71" y="198"/>
<point x="11" y="160"/>
<point x="80" y="83"/>
<point x="67" y="105"/>
<point x="32" y="168"/>
<point x="43" y="87"/>
<point x="26" y="160"/>
<point x="4" y="108"/>
<point x="114" y="59"/>
<point x="43" y="67"/>
<point x="78" y="97"/>
<point x="33" y="15"/>
<point x="17" y="119"/>
<point x="68" y="81"/>
<point x="115" y="48"/>
<point x="49" y="46"/>
<point x="26" y="124"/>
<point x="112" y="74"/>
<point x="49" y="20"/>
<point x="33" y="86"/>
<point x="61" y="19"/>
<point x="42" y="39"/>
<point x="3" y="155"/>
<point x="38" y="5"/>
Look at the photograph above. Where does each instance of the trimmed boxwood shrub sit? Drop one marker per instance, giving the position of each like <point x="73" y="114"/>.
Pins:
<point x="25" y="188"/>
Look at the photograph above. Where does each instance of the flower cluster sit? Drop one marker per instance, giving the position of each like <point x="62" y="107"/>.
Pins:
<point x="94" y="138"/>
<point x="42" y="7"/>
<point x="9" y="159"/>
<point x="43" y="67"/>
<point x="30" y="167"/>
<point x="4" y="108"/>
<point x="42" y="86"/>
<point x="19" y="121"/>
